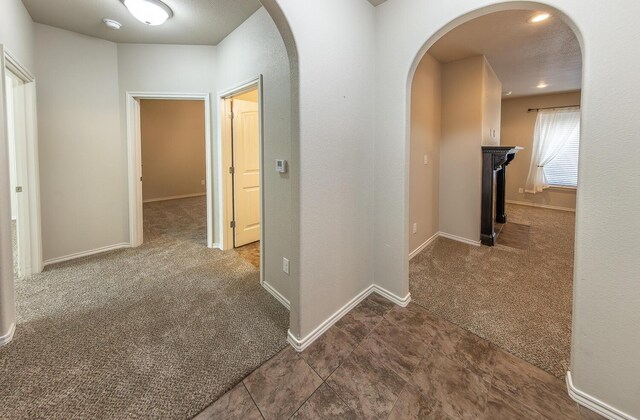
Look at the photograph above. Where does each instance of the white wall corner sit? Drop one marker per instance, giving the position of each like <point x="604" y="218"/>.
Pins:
<point x="6" y="339"/>
<point x="299" y="344"/>
<point x="594" y="404"/>
<point x="276" y="294"/>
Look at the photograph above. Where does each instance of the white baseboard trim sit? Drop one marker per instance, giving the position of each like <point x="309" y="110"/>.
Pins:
<point x="299" y="344"/>
<point x="269" y="288"/>
<point x="400" y="301"/>
<point x="87" y="253"/>
<point x="175" y="197"/>
<point x="595" y="404"/>
<point x="216" y="245"/>
<point x="459" y="239"/>
<point x="5" y="339"/>
<point x="424" y="245"/>
<point x="543" y="206"/>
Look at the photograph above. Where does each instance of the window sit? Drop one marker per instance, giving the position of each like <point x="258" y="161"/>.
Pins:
<point x="554" y="154"/>
<point x="563" y="169"/>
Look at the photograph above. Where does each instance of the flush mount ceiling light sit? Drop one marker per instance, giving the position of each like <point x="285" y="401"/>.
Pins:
<point x="113" y="24"/>
<point x="507" y="93"/>
<point x="542" y="85"/>
<point x="539" y="17"/>
<point x="149" y="12"/>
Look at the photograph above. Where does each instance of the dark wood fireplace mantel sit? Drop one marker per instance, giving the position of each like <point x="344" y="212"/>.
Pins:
<point x="494" y="162"/>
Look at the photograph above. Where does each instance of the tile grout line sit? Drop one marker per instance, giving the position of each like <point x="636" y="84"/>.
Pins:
<point x="254" y="401"/>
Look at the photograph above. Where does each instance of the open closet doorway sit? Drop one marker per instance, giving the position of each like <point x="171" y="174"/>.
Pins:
<point x="242" y="151"/>
<point x="20" y="132"/>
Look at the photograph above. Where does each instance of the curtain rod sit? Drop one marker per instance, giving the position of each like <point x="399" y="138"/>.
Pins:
<point x="553" y="107"/>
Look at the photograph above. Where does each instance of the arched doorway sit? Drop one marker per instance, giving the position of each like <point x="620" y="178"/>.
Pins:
<point x="517" y="70"/>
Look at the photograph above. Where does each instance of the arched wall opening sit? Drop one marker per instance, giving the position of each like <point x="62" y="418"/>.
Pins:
<point x="457" y="93"/>
<point x="279" y="18"/>
<point x="410" y="226"/>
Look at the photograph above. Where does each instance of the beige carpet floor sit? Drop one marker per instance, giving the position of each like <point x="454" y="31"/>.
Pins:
<point x="519" y="299"/>
<point x="159" y="331"/>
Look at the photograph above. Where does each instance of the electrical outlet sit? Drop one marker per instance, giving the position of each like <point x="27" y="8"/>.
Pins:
<point x="426" y="159"/>
<point x="521" y="190"/>
<point x="285" y="265"/>
<point x="202" y="182"/>
<point x="415" y="228"/>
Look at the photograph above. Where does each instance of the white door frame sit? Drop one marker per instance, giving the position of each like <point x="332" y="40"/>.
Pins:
<point x="30" y="233"/>
<point x="134" y="148"/>
<point x="224" y="163"/>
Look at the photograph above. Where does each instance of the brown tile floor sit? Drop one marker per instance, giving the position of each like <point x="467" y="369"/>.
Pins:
<point x="250" y="252"/>
<point x="381" y="361"/>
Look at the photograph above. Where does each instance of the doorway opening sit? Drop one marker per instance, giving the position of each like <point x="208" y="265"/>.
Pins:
<point x="242" y="157"/>
<point x="173" y="169"/>
<point x="476" y="90"/>
<point x="20" y="132"/>
<point x="169" y="140"/>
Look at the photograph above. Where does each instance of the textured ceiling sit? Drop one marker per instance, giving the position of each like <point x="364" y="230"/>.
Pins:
<point x="521" y="54"/>
<point x="198" y="22"/>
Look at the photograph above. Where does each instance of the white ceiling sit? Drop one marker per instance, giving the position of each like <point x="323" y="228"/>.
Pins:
<point x="197" y="22"/>
<point x="521" y="54"/>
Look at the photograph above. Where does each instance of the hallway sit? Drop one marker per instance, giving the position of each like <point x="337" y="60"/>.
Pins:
<point x="156" y="331"/>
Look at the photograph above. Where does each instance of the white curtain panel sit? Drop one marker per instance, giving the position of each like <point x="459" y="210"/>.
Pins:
<point x="554" y="128"/>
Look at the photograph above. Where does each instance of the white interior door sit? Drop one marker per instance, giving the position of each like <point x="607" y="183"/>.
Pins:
<point x="246" y="180"/>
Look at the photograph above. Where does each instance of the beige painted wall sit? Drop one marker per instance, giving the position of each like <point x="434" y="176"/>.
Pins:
<point x="517" y="130"/>
<point x="460" y="157"/>
<point x="173" y="148"/>
<point x="424" y="179"/>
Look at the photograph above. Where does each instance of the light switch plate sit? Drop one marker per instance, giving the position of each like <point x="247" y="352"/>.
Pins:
<point x="285" y="265"/>
<point x="281" y="166"/>
<point x="426" y="159"/>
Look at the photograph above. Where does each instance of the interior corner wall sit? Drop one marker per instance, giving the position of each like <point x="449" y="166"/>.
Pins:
<point x="426" y="107"/>
<point x="83" y="165"/>
<point x="256" y="48"/>
<point x="335" y="44"/>
<point x="173" y="149"/>
<point x="517" y="130"/>
<point x="605" y="337"/>
<point x="460" y="153"/>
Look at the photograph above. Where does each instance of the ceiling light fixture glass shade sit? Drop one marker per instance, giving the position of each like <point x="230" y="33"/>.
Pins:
<point x="149" y="12"/>
<point x="542" y="85"/>
<point x="539" y="17"/>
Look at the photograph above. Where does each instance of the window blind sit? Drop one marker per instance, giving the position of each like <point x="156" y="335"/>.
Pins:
<point x="563" y="169"/>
